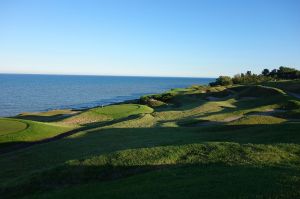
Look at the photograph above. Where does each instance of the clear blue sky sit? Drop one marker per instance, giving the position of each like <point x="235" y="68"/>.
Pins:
<point x="148" y="37"/>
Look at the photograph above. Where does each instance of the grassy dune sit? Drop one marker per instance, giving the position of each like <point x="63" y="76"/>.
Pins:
<point x="108" y="113"/>
<point x="199" y="142"/>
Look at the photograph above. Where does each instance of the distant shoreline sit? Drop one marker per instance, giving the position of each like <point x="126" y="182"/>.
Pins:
<point x="40" y="93"/>
<point x="91" y="75"/>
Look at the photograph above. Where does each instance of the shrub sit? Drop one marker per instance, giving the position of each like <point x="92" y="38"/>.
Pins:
<point x="222" y="81"/>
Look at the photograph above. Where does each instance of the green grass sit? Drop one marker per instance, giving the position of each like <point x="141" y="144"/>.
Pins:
<point x="85" y="157"/>
<point x="213" y="181"/>
<point x="258" y="119"/>
<point x="260" y="91"/>
<point x="249" y="149"/>
<point x="49" y="116"/>
<point x="15" y="131"/>
<point x="107" y="113"/>
<point x="123" y="110"/>
<point x="286" y="85"/>
<point x="11" y="126"/>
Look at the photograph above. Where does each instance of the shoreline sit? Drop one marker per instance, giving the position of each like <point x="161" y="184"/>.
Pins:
<point x="40" y="93"/>
<point x="72" y="109"/>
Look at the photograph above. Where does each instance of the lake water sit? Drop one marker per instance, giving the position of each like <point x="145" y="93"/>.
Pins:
<point x="28" y="93"/>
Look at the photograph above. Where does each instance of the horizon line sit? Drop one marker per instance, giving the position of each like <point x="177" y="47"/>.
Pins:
<point x="103" y="75"/>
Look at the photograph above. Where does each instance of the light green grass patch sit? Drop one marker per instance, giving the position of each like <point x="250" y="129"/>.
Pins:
<point x="123" y="110"/>
<point x="258" y="119"/>
<point x="34" y="131"/>
<point x="107" y="113"/>
<point x="11" y="126"/>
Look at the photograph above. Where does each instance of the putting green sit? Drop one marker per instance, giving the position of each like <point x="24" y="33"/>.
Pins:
<point x="11" y="126"/>
<point x="122" y="110"/>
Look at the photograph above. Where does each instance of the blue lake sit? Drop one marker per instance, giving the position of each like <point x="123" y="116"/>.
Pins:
<point x="28" y="93"/>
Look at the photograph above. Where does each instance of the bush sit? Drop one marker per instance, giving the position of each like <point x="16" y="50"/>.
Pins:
<point x="222" y="81"/>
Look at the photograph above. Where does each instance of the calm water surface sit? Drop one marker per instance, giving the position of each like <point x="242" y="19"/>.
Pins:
<point x="28" y="93"/>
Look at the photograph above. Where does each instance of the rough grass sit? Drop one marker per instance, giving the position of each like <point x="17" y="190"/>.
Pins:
<point x="258" y="119"/>
<point x="287" y="85"/>
<point x="260" y="91"/>
<point x="133" y="161"/>
<point x="213" y="181"/>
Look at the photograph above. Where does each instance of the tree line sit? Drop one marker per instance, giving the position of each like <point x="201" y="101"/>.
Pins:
<point x="282" y="73"/>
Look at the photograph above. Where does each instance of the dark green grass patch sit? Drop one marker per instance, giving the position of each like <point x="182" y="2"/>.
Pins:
<point x="260" y="91"/>
<point x="134" y="161"/>
<point x="49" y="116"/>
<point x="203" y="181"/>
<point x="289" y="86"/>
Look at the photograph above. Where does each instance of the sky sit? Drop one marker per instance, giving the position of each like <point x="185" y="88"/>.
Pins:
<point x="190" y="38"/>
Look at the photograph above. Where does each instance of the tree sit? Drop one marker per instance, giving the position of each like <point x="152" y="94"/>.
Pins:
<point x="222" y="81"/>
<point x="273" y="73"/>
<point x="265" y="72"/>
<point x="238" y="78"/>
<point x="287" y="73"/>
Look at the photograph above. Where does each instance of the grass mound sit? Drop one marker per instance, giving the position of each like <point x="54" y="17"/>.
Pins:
<point x="289" y="86"/>
<point x="14" y="131"/>
<point x="221" y="94"/>
<point x="107" y="113"/>
<point x="133" y="161"/>
<point x="292" y="104"/>
<point x="258" y="119"/>
<point x="123" y="110"/>
<point x="11" y="126"/>
<point x="260" y="91"/>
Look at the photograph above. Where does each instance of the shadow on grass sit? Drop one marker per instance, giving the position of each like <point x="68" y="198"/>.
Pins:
<point x="206" y="180"/>
<point x="190" y="101"/>
<point x="114" y="139"/>
<point x="41" y="118"/>
<point x="258" y="134"/>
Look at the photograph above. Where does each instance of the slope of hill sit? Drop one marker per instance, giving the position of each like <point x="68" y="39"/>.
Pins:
<point x="210" y="142"/>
